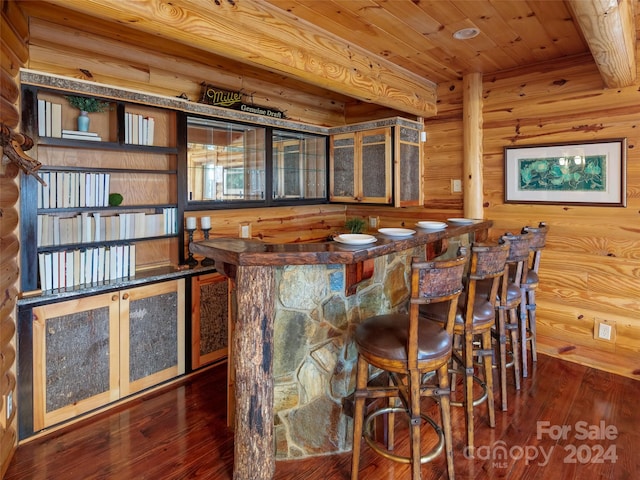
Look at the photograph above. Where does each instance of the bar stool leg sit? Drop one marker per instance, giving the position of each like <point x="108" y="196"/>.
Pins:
<point x="445" y="412"/>
<point x="416" y="420"/>
<point x="531" y="310"/>
<point x="488" y="375"/>
<point x="362" y="377"/>
<point x="515" y="341"/>
<point x="502" y="346"/>
<point x="468" y="388"/>
<point x="523" y="331"/>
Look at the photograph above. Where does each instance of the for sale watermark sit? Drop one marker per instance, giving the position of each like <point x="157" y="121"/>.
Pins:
<point x="588" y="443"/>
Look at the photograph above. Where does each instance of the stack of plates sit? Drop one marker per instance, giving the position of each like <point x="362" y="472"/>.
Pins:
<point x="355" y="239"/>
<point x="430" y="225"/>
<point x="461" y="221"/>
<point x="397" y="232"/>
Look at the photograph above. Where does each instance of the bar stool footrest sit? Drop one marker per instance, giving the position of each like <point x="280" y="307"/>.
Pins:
<point x="375" y="446"/>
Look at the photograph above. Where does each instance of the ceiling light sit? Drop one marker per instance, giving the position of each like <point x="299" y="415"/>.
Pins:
<point x="466" y="33"/>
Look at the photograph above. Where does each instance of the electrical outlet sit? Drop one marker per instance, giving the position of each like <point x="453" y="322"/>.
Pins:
<point x="456" y="186"/>
<point x="373" y="222"/>
<point x="604" y="330"/>
<point x="245" y="230"/>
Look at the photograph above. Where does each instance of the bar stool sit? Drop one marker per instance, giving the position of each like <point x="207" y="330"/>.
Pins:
<point x="508" y="303"/>
<point x="475" y="317"/>
<point x="408" y="348"/>
<point x="528" y="289"/>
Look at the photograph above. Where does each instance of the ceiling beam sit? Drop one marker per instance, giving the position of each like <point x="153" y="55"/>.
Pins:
<point x="608" y="27"/>
<point x="260" y="35"/>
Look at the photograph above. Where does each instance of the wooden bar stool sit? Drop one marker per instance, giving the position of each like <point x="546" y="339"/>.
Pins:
<point x="508" y="302"/>
<point x="528" y="294"/>
<point x="475" y="317"/>
<point x="408" y="348"/>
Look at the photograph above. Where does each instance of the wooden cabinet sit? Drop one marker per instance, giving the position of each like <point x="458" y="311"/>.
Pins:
<point x="209" y="319"/>
<point x="91" y="351"/>
<point x="374" y="163"/>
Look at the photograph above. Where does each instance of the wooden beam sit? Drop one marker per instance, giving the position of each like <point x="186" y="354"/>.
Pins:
<point x="263" y="36"/>
<point x="609" y="28"/>
<point x="472" y="136"/>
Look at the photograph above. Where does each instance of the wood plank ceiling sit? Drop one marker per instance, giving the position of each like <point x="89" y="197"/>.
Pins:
<point x="388" y="52"/>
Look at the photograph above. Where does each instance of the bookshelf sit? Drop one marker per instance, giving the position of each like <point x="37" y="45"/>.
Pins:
<point x="78" y="235"/>
<point x="105" y="309"/>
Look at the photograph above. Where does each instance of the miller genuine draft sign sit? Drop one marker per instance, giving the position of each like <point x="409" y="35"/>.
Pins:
<point x="224" y="98"/>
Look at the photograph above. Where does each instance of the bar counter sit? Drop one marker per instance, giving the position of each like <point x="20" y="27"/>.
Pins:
<point x="252" y="266"/>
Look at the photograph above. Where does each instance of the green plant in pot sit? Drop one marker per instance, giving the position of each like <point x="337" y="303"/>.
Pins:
<point x="355" y="225"/>
<point x="86" y="105"/>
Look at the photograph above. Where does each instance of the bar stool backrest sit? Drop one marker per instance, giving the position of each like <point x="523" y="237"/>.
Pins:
<point x="538" y="242"/>
<point x="519" y="249"/>
<point x="488" y="262"/>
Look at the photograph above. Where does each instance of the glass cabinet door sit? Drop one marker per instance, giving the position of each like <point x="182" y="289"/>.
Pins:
<point x="299" y="165"/>
<point x="226" y="161"/>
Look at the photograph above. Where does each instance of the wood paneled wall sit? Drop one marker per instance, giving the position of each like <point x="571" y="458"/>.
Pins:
<point x="14" y="36"/>
<point x="591" y="266"/>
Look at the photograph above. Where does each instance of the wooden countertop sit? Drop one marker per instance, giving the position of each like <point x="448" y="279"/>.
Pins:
<point x="244" y="252"/>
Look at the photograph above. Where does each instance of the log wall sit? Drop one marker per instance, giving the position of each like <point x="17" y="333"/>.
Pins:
<point x="13" y="39"/>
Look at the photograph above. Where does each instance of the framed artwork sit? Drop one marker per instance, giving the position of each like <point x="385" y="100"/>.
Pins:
<point x="587" y="173"/>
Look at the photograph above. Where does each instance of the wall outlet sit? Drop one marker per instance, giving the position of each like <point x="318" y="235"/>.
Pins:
<point x="604" y="330"/>
<point x="456" y="186"/>
<point x="245" y="230"/>
<point x="374" y="222"/>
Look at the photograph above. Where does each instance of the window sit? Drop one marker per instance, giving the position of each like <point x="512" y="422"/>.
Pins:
<point x="228" y="162"/>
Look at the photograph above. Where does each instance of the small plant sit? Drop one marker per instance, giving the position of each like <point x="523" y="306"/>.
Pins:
<point x="87" y="104"/>
<point x="355" y="225"/>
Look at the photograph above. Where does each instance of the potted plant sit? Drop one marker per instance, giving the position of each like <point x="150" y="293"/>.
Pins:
<point x="355" y="225"/>
<point x="86" y="105"/>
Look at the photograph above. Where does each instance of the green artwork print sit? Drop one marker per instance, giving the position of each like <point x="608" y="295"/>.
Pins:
<point x="568" y="174"/>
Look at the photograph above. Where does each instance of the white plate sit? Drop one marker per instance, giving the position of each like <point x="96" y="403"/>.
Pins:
<point x="463" y="221"/>
<point x="355" y="239"/>
<point x="397" y="232"/>
<point x="431" y="225"/>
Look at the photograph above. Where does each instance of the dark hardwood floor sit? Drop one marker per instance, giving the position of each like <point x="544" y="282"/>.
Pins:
<point x="180" y="433"/>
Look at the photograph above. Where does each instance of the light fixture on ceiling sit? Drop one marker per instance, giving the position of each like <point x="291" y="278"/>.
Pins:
<point x="466" y="33"/>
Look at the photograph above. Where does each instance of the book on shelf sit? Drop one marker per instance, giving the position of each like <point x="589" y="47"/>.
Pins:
<point x="78" y="135"/>
<point x="69" y="264"/>
<point x="42" y="129"/>
<point x="56" y="120"/>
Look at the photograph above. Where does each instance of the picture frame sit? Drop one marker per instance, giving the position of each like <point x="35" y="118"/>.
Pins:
<point x="576" y="173"/>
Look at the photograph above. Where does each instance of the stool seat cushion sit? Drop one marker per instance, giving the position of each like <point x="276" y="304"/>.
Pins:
<point x="386" y="336"/>
<point x="483" y="287"/>
<point x="532" y="277"/>
<point x="483" y="313"/>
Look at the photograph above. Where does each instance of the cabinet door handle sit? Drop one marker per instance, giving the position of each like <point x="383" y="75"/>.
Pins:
<point x="114" y="298"/>
<point x="125" y="296"/>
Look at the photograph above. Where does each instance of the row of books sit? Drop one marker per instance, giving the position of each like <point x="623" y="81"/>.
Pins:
<point x="74" y="189"/>
<point x="71" y="268"/>
<point x="138" y="129"/>
<point x="49" y="119"/>
<point x="95" y="227"/>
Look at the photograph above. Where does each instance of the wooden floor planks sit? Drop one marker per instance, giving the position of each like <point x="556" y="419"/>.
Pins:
<point x="180" y="433"/>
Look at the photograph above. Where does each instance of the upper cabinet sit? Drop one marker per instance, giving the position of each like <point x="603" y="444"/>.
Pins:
<point x="377" y="162"/>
